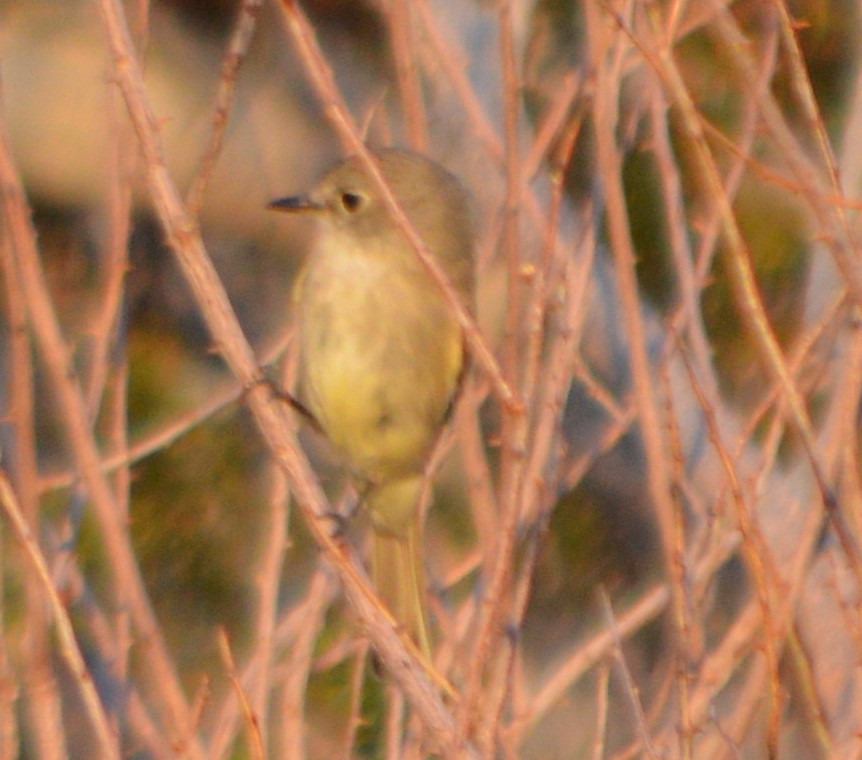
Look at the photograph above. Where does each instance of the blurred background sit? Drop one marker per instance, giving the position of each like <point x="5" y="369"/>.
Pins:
<point x="717" y="650"/>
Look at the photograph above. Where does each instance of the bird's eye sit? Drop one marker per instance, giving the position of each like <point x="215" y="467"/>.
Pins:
<point x="351" y="202"/>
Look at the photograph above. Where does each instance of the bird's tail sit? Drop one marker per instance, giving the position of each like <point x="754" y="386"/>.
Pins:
<point x="396" y="555"/>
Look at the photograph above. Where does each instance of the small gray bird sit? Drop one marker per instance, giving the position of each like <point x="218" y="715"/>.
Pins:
<point x="381" y="352"/>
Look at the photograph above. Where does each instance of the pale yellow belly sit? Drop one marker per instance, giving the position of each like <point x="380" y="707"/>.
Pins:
<point x="380" y="360"/>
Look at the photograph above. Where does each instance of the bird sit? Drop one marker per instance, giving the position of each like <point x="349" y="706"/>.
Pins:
<point x="381" y="352"/>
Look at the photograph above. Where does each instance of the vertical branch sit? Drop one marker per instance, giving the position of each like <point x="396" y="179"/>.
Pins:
<point x="598" y="749"/>
<point x="354" y="713"/>
<point x="10" y="747"/>
<point x="106" y="739"/>
<point x="809" y="697"/>
<point x="539" y="494"/>
<point x="254" y="740"/>
<point x="840" y="437"/>
<point x="511" y="211"/>
<point x="557" y="123"/>
<point x="628" y="681"/>
<point x="268" y="582"/>
<point x="801" y="83"/>
<point x="513" y="434"/>
<point x="240" y="39"/>
<point x="291" y="706"/>
<point x="689" y="650"/>
<point x="393" y="724"/>
<point x="847" y="410"/>
<point x="454" y="64"/>
<point x="748" y="301"/>
<point x="75" y="419"/>
<point x="483" y="504"/>
<point x="106" y="330"/>
<point x="817" y="190"/>
<point x="107" y="372"/>
<point x="610" y="170"/>
<point x="398" y="14"/>
<point x="104" y="636"/>
<point x="687" y="280"/>
<point x="541" y="274"/>
<point x="42" y="706"/>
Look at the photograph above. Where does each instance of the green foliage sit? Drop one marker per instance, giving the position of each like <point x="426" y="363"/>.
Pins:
<point x="195" y="547"/>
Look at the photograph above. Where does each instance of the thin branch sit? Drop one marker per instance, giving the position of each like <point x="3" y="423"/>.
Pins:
<point x="598" y="749"/>
<point x="609" y="164"/>
<point x="586" y="655"/>
<point x="106" y="738"/>
<point x="744" y="286"/>
<point x="757" y="558"/>
<point x="514" y="426"/>
<point x="631" y="688"/>
<point x="175" y="428"/>
<point x="401" y="33"/>
<point x="354" y="714"/>
<point x="291" y="705"/>
<point x="255" y="741"/>
<point x="237" y="49"/>
<point x="76" y="421"/>
<point x="42" y="705"/>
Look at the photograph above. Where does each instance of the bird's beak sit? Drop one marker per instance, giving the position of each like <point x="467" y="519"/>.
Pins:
<point x="294" y="203"/>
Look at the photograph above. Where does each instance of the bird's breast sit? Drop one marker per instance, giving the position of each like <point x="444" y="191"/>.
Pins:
<point x="380" y="359"/>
